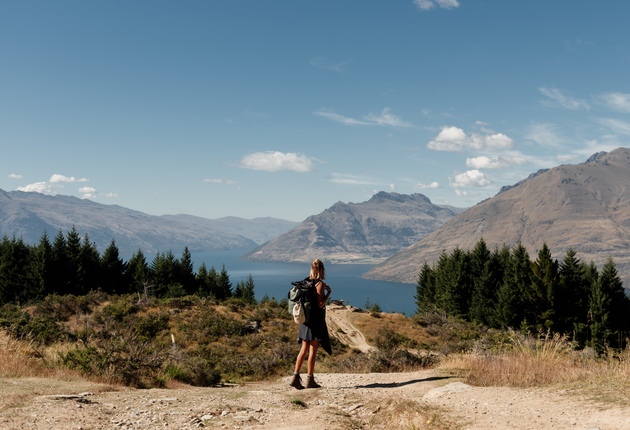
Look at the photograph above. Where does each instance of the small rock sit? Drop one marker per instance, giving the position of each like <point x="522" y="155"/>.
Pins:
<point x="224" y="414"/>
<point x="87" y="393"/>
<point x="454" y="387"/>
<point x="207" y="417"/>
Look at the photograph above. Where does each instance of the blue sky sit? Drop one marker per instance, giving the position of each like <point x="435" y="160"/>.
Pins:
<point x="282" y="108"/>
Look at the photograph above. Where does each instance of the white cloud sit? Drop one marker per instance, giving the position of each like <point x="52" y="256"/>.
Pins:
<point x="484" y="162"/>
<point x="616" y="125"/>
<point x="387" y="119"/>
<point x="461" y="193"/>
<point x="430" y="4"/>
<point x="384" y="119"/>
<point x="87" y="190"/>
<point x="392" y="187"/>
<point x="14" y="176"/>
<point x="368" y="191"/>
<point x="61" y="178"/>
<point x="470" y="178"/>
<point x="321" y="62"/>
<point x="111" y="195"/>
<point x="567" y="159"/>
<point x="38" y="187"/>
<point x="273" y="161"/>
<point x="341" y="119"/>
<point x="545" y="134"/>
<point x="481" y="123"/>
<point x="454" y="139"/>
<point x="617" y="101"/>
<point x="420" y="186"/>
<point x="88" y="196"/>
<point x="231" y="183"/>
<point x="560" y="100"/>
<point x="346" y="178"/>
<point x="426" y="111"/>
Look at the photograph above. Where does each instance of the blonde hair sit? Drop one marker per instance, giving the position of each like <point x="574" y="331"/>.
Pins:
<point x="317" y="270"/>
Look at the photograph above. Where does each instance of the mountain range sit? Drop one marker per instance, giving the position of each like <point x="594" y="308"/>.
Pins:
<point x="585" y="207"/>
<point x="364" y="232"/>
<point x="28" y="214"/>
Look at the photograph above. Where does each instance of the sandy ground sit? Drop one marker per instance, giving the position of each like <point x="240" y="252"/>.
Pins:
<point x="410" y="400"/>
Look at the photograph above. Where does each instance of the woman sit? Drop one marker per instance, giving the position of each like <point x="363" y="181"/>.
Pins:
<point x="314" y="332"/>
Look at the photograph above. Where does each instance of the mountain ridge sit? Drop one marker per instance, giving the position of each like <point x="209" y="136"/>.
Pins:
<point x="364" y="232"/>
<point x="28" y="214"/>
<point x="584" y="206"/>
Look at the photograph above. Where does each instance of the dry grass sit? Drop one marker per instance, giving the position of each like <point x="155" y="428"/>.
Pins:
<point x="22" y="359"/>
<point x="544" y="360"/>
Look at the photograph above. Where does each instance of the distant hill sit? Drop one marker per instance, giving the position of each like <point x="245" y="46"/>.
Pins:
<point x="260" y="230"/>
<point x="357" y="232"/>
<point x="26" y="215"/>
<point x="585" y="207"/>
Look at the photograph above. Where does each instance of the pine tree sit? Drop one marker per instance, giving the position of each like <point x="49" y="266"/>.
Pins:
<point x="41" y="268"/>
<point x="88" y="271"/>
<point x="73" y="250"/>
<point x="206" y="281"/>
<point x="247" y="288"/>
<point x="517" y="268"/>
<point x="185" y="272"/>
<point x="14" y="263"/>
<point x="425" y="290"/>
<point x="610" y="308"/>
<point x="456" y="283"/>
<point x="113" y="269"/>
<point x="60" y="265"/>
<point x="138" y="273"/>
<point x="541" y="295"/>
<point x="487" y="275"/>
<point x="164" y="270"/>
<point x="224" y="286"/>
<point x="572" y="297"/>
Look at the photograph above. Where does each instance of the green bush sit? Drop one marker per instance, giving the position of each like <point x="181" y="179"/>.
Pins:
<point x="120" y="308"/>
<point x="20" y="325"/>
<point x="150" y="325"/>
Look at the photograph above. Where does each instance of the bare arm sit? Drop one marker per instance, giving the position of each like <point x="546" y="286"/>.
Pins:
<point x="323" y="292"/>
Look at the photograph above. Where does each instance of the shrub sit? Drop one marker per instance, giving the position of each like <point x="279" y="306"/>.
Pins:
<point x="20" y="325"/>
<point x="120" y="308"/>
<point x="149" y="326"/>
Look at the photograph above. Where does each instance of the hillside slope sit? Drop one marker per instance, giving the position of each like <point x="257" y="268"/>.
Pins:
<point x="26" y="215"/>
<point x="585" y="207"/>
<point x="357" y="232"/>
<point x="260" y="230"/>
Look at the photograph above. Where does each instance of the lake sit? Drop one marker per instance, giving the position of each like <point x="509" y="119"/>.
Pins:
<point x="274" y="279"/>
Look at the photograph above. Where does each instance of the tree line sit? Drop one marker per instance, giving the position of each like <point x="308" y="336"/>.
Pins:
<point x="504" y="288"/>
<point x="72" y="265"/>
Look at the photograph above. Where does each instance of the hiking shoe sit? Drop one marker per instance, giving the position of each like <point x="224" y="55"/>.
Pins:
<point x="310" y="383"/>
<point x="296" y="382"/>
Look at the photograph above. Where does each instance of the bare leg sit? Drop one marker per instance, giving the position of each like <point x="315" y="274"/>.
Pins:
<point x="302" y="355"/>
<point x="312" y="355"/>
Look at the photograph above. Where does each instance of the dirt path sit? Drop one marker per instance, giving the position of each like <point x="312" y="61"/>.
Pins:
<point x="336" y="319"/>
<point x="413" y="400"/>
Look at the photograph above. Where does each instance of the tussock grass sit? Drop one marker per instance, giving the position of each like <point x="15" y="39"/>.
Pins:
<point x="533" y="361"/>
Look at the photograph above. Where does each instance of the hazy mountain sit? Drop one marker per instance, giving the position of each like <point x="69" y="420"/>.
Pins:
<point x="585" y="207"/>
<point x="357" y="232"/>
<point x="260" y="230"/>
<point x="26" y="215"/>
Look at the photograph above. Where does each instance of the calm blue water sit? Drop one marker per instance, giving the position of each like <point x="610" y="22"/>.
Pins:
<point x="274" y="279"/>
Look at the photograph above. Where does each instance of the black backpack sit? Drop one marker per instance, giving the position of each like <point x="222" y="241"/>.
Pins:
<point x="301" y="292"/>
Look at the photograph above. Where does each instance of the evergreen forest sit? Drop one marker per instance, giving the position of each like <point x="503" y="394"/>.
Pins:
<point x="72" y="265"/>
<point x="504" y="288"/>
